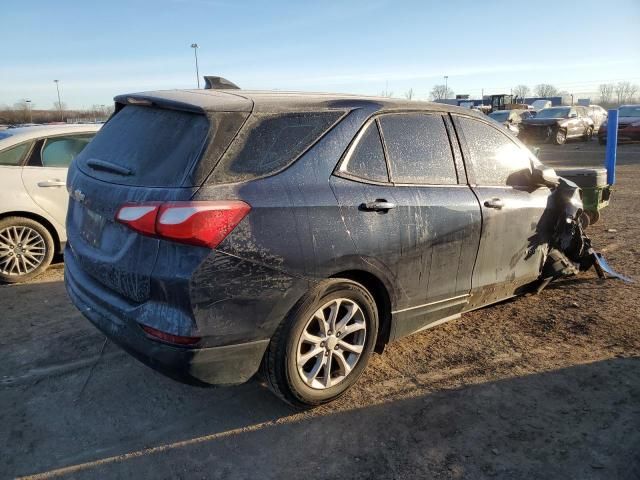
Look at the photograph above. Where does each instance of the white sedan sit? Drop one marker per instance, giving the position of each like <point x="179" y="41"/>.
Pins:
<point x="33" y="195"/>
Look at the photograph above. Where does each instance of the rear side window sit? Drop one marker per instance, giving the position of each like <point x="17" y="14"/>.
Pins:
<point x="418" y="149"/>
<point x="157" y="146"/>
<point x="14" y="155"/>
<point x="270" y="142"/>
<point x="58" y="152"/>
<point x="496" y="159"/>
<point x="367" y="158"/>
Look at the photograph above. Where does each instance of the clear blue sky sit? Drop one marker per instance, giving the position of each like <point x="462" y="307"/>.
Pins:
<point x="100" y="49"/>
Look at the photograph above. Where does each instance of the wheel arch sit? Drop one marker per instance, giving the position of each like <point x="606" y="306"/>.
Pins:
<point x="380" y="294"/>
<point x="40" y="219"/>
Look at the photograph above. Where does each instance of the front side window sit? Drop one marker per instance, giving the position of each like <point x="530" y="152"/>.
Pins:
<point x="418" y="148"/>
<point x="60" y="151"/>
<point x="496" y="159"/>
<point x="14" y="155"/>
<point x="367" y="158"/>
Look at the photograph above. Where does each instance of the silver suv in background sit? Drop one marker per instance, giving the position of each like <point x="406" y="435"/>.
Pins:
<point x="33" y="197"/>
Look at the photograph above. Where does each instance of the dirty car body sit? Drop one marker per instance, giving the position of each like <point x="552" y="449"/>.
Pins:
<point x="433" y="210"/>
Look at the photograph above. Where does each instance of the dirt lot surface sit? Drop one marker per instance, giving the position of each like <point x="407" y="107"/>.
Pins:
<point x="542" y="386"/>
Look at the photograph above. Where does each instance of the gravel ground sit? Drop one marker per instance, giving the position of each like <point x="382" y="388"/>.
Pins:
<point x="542" y="386"/>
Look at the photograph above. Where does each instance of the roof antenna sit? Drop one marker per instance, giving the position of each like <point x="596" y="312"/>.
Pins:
<point x="219" y="83"/>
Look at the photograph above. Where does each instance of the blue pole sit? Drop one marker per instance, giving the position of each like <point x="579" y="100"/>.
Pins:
<point x="612" y="146"/>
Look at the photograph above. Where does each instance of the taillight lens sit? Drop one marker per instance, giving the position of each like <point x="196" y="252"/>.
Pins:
<point x="140" y="217"/>
<point x="197" y="223"/>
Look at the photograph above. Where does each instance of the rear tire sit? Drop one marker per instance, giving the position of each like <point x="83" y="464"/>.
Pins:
<point x="26" y="249"/>
<point x="560" y="137"/>
<point x="301" y="381"/>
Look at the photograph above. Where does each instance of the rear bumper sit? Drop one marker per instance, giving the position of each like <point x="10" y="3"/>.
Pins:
<point x="220" y="365"/>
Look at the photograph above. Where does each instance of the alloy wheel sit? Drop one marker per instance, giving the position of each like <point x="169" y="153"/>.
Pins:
<point x="331" y="343"/>
<point x="22" y="250"/>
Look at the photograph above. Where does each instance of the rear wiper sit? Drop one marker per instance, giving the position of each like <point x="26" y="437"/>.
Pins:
<point x="97" y="164"/>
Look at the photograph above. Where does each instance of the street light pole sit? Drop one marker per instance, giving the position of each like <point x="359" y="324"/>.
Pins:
<point x="446" y="87"/>
<point x="195" y="53"/>
<point x="59" y="102"/>
<point x="28" y="102"/>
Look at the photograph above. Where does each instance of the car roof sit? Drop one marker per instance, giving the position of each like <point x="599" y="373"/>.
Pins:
<point x="211" y="100"/>
<point x="21" y="134"/>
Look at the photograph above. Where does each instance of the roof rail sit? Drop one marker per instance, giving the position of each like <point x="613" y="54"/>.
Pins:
<point x="218" y="83"/>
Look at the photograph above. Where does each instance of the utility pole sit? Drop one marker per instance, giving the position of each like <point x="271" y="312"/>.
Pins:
<point x="195" y="52"/>
<point x="446" y="87"/>
<point x="59" y="102"/>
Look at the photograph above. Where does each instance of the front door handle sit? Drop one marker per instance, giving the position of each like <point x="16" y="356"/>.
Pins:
<point x="494" y="203"/>
<point x="52" y="183"/>
<point x="379" y="205"/>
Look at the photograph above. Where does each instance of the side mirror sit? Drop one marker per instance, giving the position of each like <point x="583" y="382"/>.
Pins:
<point x="573" y="115"/>
<point x="535" y="150"/>
<point x="544" y="176"/>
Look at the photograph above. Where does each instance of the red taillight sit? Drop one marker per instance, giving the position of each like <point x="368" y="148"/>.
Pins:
<point x="168" y="337"/>
<point x="141" y="217"/>
<point x="196" y="223"/>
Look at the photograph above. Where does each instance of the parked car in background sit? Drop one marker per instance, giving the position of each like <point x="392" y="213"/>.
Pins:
<point x="597" y="114"/>
<point x="628" y="125"/>
<point x="540" y="104"/>
<point x="279" y="231"/>
<point x="557" y="124"/>
<point x="511" y="119"/>
<point x="33" y="197"/>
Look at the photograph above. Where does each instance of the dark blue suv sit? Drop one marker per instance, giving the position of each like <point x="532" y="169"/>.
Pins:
<point x="214" y="232"/>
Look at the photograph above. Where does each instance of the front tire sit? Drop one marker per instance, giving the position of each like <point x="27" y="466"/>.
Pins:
<point x="323" y="345"/>
<point x="26" y="249"/>
<point x="588" y="134"/>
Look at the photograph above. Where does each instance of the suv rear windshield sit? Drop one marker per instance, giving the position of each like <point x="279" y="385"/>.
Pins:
<point x="158" y="147"/>
<point x="270" y="142"/>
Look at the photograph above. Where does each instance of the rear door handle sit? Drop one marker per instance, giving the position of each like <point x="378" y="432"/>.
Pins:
<point x="378" y="206"/>
<point x="52" y="183"/>
<point x="494" y="203"/>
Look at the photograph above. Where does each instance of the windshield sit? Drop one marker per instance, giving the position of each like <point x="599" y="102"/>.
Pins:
<point x="630" y="111"/>
<point x="560" y="112"/>
<point x="500" y="116"/>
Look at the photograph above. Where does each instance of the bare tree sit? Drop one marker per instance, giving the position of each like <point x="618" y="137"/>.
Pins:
<point x="545" y="90"/>
<point x="521" y="91"/>
<point x="409" y="94"/>
<point x="606" y="92"/>
<point x="60" y="106"/>
<point x="22" y="110"/>
<point x="440" y="92"/>
<point x="625" y="91"/>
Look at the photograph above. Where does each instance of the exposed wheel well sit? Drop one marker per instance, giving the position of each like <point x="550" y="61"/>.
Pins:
<point x="43" y="221"/>
<point x="379" y="292"/>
